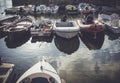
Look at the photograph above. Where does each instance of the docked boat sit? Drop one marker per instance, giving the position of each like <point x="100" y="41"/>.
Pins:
<point x="19" y="28"/>
<point x="91" y="27"/>
<point x="71" y="9"/>
<point x="53" y="8"/>
<point x="85" y="8"/>
<point x="42" y="9"/>
<point x="42" y="28"/>
<point x="112" y="22"/>
<point x="41" y="72"/>
<point x="68" y="29"/>
<point x="5" y="21"/>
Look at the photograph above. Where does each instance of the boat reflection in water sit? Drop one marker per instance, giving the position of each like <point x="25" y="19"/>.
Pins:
<point x="42" y="39"/>
<point x="91" y="42"/>
<point x="2" y="34"/>
<point x="112" y="36"/>
<point x="68" y="46"/>
<point x="12" y="42"/>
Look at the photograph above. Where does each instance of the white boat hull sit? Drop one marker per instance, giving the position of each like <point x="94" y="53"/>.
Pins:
<point x="39" y="71"/>
<point x="67" y="35"/>
<point x="66" y="29"/>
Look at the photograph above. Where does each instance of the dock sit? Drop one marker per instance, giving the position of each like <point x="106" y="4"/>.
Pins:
<point x="5" y="72"/>
<point x="10" y="17"/>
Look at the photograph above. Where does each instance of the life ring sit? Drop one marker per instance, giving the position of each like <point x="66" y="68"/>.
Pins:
<point x="95" y="28"/>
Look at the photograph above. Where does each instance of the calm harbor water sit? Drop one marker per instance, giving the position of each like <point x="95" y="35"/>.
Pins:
<point x="73" y="60"/>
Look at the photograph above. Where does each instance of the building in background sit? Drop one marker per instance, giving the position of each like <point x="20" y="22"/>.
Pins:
<point x="5" y="4"/>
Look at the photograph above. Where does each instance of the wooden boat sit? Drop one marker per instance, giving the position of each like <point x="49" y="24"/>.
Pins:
<point x="42" y="28"/>
<point x="5" y="21"/>
<point x="19" y="27"/>
<point x="41" y="72"/>
<point x="68" y="29"/>
<point x="91" y="27"/>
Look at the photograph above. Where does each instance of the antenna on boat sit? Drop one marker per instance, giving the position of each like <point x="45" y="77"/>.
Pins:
<point x="42" y="60"/>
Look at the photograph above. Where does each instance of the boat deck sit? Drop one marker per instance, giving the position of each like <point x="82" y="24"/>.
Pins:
<point x="5" y="71"/>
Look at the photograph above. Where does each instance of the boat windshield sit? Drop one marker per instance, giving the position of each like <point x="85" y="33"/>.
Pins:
<point x="39" y="80"/>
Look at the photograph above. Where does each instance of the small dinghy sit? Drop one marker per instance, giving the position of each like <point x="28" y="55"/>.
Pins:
<point x="85" y="8"/>
<point x="91" y="27"/>
<point x="42" y="72"/>
<point x="42" y="28"/>
<point x="42" y="9"/>
<point x="5" y="21"/>
<point x="68" y="29"/>
<point x="19" y="27"/>
<point x="53" y="8"/>
<point x="71" y="9"/>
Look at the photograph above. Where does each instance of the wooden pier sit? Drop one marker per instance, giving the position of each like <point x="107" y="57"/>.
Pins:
<point x="5" y="72"/>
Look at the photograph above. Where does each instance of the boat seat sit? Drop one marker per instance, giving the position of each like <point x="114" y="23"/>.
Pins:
<point x="64" y="24"/>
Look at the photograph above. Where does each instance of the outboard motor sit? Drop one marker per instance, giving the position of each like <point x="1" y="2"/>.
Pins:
<point x="89" y="19"/>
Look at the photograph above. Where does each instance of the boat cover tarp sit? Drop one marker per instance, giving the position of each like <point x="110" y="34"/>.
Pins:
<point x="113" y="19"/>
